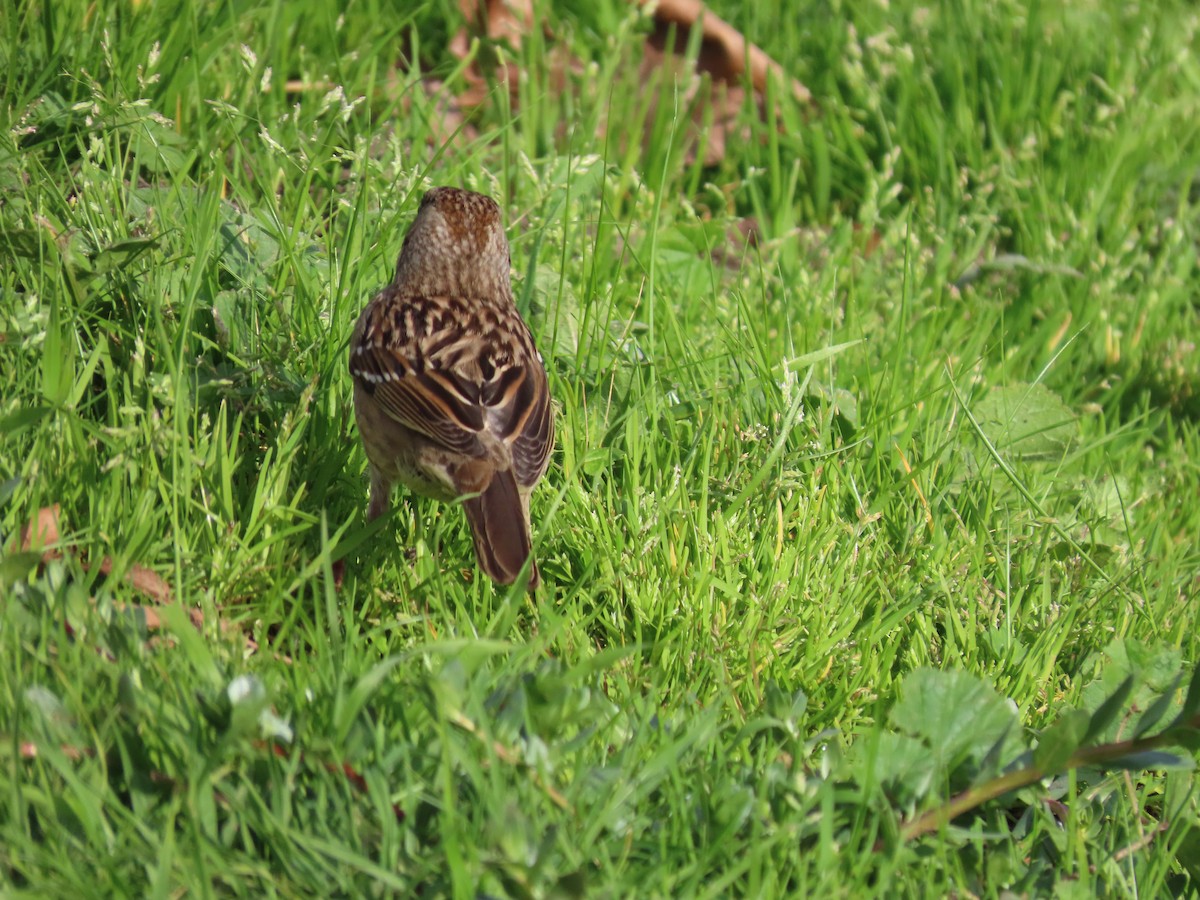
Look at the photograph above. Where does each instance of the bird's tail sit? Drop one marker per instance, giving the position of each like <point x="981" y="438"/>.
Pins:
<point x="500" y="527"/>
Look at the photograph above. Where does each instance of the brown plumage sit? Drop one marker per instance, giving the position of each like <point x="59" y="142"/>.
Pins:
<point x="450" y="393"/>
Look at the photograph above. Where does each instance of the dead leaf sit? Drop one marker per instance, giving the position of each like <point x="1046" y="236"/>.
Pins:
<point x="495" y="20"/>
<point x="724" y="52"/>
<point x="29" y="750"/>
<point x="713" y="103"/>
<point x="42" y="531"/>
<point x="143" y="580"/>
<point x="500" y="20"/>
<point x="153" y="619"/>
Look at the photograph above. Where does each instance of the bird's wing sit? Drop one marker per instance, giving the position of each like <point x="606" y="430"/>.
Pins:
<point x="530" y="426"/>
<point x="389" y="359"/>
<point x="453" y="372"/>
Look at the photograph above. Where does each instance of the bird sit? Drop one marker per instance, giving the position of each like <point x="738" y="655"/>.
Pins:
<point x="451" y="396"/>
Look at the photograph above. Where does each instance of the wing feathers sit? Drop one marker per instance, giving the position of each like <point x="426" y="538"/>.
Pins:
<point x="472" y="377"/>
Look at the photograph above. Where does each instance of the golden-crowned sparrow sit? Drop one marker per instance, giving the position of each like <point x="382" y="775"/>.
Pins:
<point x="450" y="393"/>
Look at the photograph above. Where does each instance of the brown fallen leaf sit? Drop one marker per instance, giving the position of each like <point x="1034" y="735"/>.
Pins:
<point x="724" y="52"/>
<point x="153" y="618"/>
<point x="29" y="750"/>
<point x="495" y="20"/>
<point x="142" y="580"/>
<point x="713" y="89"/>
<point x="43" y="533"/>
<point x="506" y="20"/>
<point x="712" y="104"/>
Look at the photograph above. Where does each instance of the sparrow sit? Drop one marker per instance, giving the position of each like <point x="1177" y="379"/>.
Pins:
<point x="450" y="393"/>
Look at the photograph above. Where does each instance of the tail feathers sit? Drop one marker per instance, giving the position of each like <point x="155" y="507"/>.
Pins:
<point x="500" y="528"/>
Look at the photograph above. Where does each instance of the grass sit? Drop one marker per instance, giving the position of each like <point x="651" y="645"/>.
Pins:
<point x="843" y="520"/>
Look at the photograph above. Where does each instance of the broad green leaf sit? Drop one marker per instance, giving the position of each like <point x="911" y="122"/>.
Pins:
<point x="1191" y="704"/>
<point x="1107" y="711"/>
<point x="554" y="313"/>
<point x="1058" y="742"/>
<point x="191" y="644"/>
<point x="1026" y="420"/>
<point x="1152" y="670"/>
<point x="1150" y="759"/>
<point x="997" y="754"/>
<point x="1187" y="853"/>
<point x="231" y="323"/>
<point x="1157" y="709"/>
<point x="16" y="567"/>
<point x="22" y="242"/>
<point x="22" y="418"/>
<point x="787" y="706"/>
<point x="902" y="766"/>
<point x="58" y="358"/>
<point x="8" y="487"/>
<point x="955" y="713"/>
<point x="120" y="254"/>
<point x="158" y="148"/>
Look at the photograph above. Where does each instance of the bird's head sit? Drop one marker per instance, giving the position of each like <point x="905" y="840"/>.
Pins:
<point x="455" y="245"/>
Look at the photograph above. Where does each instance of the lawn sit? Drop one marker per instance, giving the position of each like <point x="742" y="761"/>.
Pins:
<point x="870" y="545"/>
